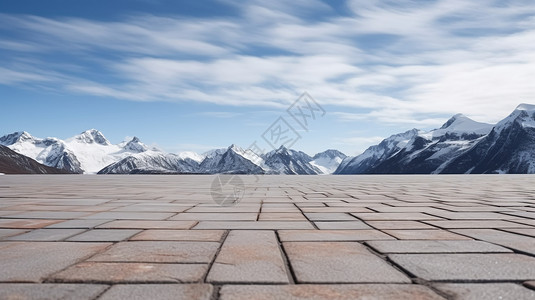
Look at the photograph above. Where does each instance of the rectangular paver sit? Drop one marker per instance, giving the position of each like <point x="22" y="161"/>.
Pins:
<point x="249" y="256"/>
<point x="347" y="262"/>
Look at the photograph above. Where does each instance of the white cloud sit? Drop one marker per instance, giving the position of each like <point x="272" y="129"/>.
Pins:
<point x="436" y="58"/>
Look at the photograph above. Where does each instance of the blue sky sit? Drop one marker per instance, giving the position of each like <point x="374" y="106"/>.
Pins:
<point x="195" y="75"/>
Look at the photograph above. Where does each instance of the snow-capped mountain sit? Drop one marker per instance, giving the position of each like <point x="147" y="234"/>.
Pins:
<point x="87" y="152"/>
<point x="287" y="161"/>
<point x="508" y="148"/>
<point x="376" y="154"/>
<point x="13" y="163"/>
<point x="233" y="160"/>
<point x="328" y="161"/>
<point x="150" y="162"/>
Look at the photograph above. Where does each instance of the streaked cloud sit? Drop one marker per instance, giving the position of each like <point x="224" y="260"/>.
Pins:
<point x="407" y="62"/>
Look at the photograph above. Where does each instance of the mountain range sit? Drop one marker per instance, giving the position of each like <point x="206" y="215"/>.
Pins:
<point x="460" y="146"/>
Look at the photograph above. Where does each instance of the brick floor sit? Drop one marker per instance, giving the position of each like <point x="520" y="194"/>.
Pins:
<point x="290" y="237"/>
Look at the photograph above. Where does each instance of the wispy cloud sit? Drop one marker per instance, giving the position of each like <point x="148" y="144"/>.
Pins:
<point x="402" y="61"/>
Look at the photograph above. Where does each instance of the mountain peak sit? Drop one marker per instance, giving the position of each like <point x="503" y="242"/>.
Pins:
<point x="526" y="107"/>
<point x="135" y="145"/>
<point x="92" y="136"/>
<point x="15" y="137"/>
<point x="455" y="118"/>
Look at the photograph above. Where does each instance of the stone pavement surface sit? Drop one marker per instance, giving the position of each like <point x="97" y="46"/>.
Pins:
<point x="289" y="237"/>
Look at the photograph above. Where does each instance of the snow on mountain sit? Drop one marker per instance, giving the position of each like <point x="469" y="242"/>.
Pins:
<point x="327" y="161"/>
<point x="508" y="148"/>
<point x="376" y="154"/>
<point x="287" y="161"/>
<point x="87" y="152"/>
<point x="150" y="162"/>
<point x="233" y="160"/>
<point x="13" y="163"/>
<point x="191" y="155"/>
<point x="418" y="152"/>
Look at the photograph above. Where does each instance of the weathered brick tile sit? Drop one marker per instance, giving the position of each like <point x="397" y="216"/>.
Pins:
<point x="50" y="291"/>
<point x="134" y="224"/>
<point x="179" y="235"/>
<point x="4" y="233"/>
<point x="130" y="215"/>
<point x="330" y="217"/>
<point x="468" y="266"/>
<point x="332" y="235"/>
<point x="265" y="216"/>
<point x="425" y="234"/>
<point x="342" y="225"/>
<point x="324" y="291"/>
<point x="254" y="225"/>
<point x="158" y="251"/>
<point x="86" y="224"/>
<point x="104" y="235"/>
<point x="414" y="216"/>
<point x="399" y="225"/>
<point x="191" y="216"/>
<point x="32" y="262"/>
<point x="132" y="273"/>
<point x="477" y="291"/>
<point x="26" y="223"/>
<point x="46" y="235"/>
<point x="249" y="256"/>
<point x="452" y="224"/>
<point x="159" y="291"/>
<point x="431" y="246"/>
<point x="506" y="239"/>
<point x="348" y="262"/>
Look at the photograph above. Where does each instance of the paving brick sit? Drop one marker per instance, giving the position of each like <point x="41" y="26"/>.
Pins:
<point x="332" y="235"/>
<point x="180" y="235"/>
<point x="257" y="225"/>
<point x="49" y="291"/>
<point x="249" y="256"/>
<point x="85" y="224"/>
<point x="32" y="262"/>
<point x="104" y="235"/>
<point x="133" y="224"/>
<point x="410" y="216"/>
<point x="399" y="225"/>
<point x="321" y="292"/>
<point x="50" y="215"/>
<point x="506" y="239"/>
<point x="4" y="233"/>
<point x="26" y="223"/>
<point x="130" y="215"/>
<point x="330" y="217"/>
<point x="408" y="246"/>
<point x="215" y="216"/>
<point x="425" y="234"/>
<point x="468" y="266"/>
<point x="265" y="216"/>
<point x="46" y="235"/>
<point x="350" y="209"/>
<point x="158" y="251"/>
<point x="451" y="224"/>
<point x="132" y="273"/>
<point x="524" y="231"/>
<point x="159" y="291"/>
<point x="342" y="225"/>
<point x="339" y="262"/>
<point x="478" y="291"/>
